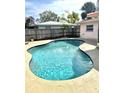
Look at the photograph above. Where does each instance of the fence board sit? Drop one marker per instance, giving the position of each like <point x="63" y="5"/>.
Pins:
<point x="37" y="34"/>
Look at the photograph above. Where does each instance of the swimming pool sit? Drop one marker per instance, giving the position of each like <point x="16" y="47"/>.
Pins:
<point x="60" y="60"/>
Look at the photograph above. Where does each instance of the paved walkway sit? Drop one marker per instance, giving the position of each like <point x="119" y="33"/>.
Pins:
<point x="94" y="54"/>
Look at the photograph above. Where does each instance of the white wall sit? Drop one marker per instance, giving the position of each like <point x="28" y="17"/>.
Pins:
<point x="86" y="34"/>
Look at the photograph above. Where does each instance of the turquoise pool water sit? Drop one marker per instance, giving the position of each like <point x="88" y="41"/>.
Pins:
<point x="59" y="60"/>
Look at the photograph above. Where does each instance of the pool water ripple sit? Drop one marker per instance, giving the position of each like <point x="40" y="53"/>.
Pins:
<point x="59" y="60"/>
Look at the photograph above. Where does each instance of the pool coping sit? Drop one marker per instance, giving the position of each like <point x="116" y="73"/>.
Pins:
<point x="31" y="80"/>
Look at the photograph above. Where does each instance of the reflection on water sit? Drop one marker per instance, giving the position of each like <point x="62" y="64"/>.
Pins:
<point x="59" y="60"/>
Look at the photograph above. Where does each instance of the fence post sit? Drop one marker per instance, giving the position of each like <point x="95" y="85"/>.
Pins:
<point x="35" y="33"/>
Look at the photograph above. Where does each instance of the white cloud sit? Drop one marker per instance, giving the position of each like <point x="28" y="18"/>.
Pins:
<point x="60" y="6"/>
<point x="30" y="9"/>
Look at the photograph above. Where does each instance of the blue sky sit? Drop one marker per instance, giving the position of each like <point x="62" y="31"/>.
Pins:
<point x="34" y="7"/>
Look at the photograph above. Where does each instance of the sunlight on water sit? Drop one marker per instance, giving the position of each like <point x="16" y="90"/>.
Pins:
<point x="59" y="60"/>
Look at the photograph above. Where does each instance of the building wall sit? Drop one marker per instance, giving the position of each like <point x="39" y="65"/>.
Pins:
<point x="89" y="35"/>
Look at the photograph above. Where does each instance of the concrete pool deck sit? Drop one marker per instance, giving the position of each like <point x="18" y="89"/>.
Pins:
<point x="87" y="83"/>
<point x="94" y="54"/>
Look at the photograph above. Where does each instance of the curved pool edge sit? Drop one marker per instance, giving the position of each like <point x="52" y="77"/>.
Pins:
<point x="32" y="79"/>
<point x="83" y="47"/>
<point x="86" y="47"/>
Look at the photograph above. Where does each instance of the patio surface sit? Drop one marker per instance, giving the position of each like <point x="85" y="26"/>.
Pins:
<point x="87" y="83"/>
<point x="94" y="54"/>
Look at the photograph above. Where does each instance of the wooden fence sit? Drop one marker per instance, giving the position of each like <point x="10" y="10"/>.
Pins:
<point x="38" y="34"/>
